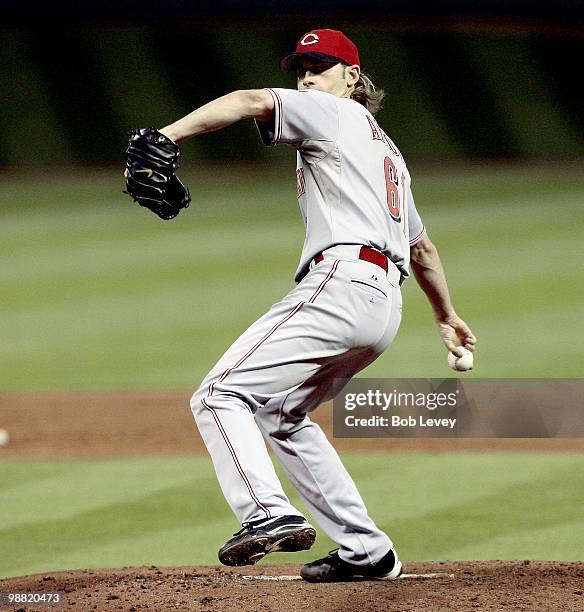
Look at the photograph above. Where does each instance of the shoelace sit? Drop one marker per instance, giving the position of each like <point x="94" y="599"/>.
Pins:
<point x="244" y="526"/>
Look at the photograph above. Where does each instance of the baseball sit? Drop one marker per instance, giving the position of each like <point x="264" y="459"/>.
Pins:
<point x="461" y="364"/>
<point x="4" y="437"/>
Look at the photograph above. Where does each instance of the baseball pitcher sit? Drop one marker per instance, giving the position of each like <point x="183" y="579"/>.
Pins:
<point x="363" y="236"/>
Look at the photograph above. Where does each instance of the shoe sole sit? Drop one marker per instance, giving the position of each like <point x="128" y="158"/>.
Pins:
<point x="249" y="552"/>
<point x="395" y="573"/>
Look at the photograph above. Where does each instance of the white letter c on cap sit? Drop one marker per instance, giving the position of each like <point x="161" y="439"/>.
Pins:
<point x="309" y="39"/>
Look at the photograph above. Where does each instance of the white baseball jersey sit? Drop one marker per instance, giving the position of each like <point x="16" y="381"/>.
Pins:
<point x="353" y="183"/>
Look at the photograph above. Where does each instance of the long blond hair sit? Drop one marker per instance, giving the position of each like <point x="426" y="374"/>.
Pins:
<point x="367" y="94"/>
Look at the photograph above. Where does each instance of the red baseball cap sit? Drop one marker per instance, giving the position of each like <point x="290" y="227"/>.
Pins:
<point x="324" y="45"/>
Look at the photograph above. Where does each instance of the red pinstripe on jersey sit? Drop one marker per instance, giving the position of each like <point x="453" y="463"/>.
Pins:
<point x="417" y="238"/>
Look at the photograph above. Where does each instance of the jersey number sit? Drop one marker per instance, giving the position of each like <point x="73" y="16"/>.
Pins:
<point x="391" y="184"/>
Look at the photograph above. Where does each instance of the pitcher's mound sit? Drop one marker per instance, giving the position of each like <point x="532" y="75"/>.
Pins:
<point x="479" y="585"/>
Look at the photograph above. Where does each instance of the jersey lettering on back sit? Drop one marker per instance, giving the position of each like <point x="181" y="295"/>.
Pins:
<point x="353" y="183"/>
<point x="378" y="134"/>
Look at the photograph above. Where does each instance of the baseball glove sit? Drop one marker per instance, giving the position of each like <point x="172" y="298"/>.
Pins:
<point x="150" y="173"/>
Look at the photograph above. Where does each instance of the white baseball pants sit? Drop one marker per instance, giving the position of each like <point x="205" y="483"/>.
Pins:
<point x="342" y="315"/>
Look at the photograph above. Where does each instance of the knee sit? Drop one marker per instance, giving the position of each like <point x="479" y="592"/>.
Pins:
<point x="220" y="397"/>
<point x="197" y="401"/>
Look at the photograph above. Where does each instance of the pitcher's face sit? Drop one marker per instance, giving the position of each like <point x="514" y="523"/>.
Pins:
<point x="336" y="79"/>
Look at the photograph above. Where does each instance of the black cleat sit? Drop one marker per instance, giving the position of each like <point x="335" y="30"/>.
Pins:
<point x="258" y="538"/>
<point x="334" y="569"/>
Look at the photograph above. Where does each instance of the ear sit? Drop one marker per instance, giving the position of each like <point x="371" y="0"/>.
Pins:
<point x="352" y="75"/>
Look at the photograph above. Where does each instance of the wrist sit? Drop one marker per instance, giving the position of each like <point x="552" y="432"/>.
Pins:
<point x="169" y="133"/>
<point x="445" y="317"/>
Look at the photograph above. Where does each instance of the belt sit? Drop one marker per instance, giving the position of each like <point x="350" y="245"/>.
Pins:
<point x="372" y="256"/>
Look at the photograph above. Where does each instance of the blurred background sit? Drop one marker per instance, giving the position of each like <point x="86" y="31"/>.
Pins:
<point x="466" y="80"/>
<point x="99" y="296"/>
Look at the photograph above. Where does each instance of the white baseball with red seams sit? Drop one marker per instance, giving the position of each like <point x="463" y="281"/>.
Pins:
<point x="354" y="191"/>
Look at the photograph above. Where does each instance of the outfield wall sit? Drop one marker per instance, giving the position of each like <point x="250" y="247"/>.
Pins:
<point x="71" y="93"/>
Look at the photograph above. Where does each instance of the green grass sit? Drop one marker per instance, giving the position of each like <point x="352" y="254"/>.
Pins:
<point x="99" y="294"/>
<point x="170" y="511"/>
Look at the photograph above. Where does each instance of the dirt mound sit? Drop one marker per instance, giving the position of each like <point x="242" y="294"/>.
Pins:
<point x="488" y="585"/>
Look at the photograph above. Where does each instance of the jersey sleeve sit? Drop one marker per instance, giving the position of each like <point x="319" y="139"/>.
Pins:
<point x="416" y="229"/>
<point x="302" y="119"/>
